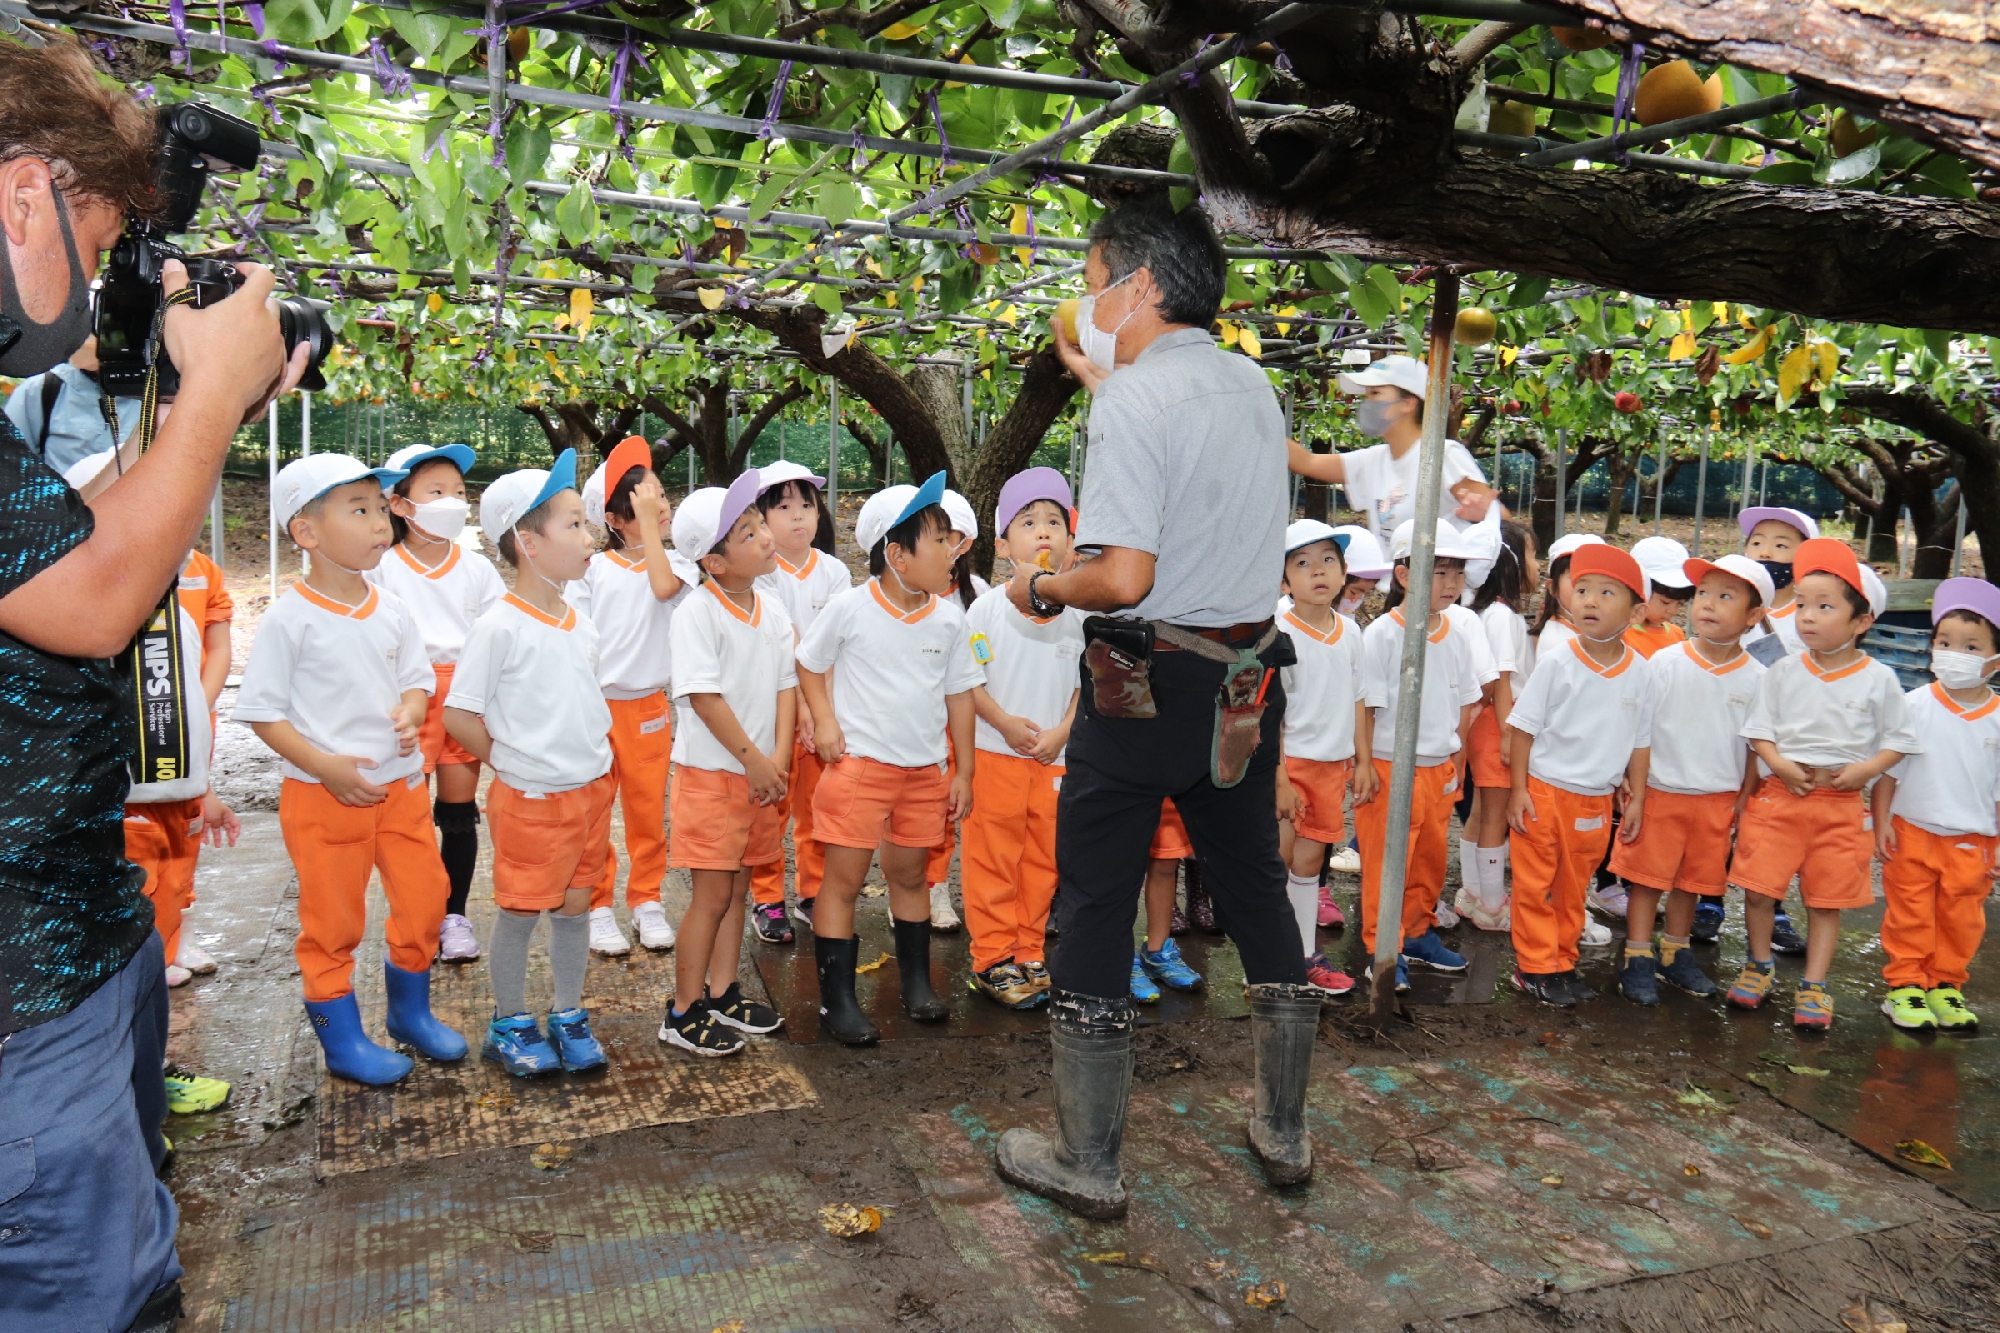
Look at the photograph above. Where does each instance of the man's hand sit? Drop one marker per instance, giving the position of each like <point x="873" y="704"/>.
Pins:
<point x="219" y="824"/>
<point x="233" y="350"/>
<point x="1521" y="812"/>
<point x="767" y="784"/>
<point x="1087" y="372"/>
<point x="340" y="774"/>
<point x="1049" y="743"/>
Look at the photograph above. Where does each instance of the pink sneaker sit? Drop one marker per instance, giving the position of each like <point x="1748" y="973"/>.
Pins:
<point x="1323" y="977"/>
<point x="1330" y="915"/>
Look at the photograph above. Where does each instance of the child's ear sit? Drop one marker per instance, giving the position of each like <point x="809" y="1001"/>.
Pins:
<point x="1402" y="576"/>
<point x="1000" y="547"/>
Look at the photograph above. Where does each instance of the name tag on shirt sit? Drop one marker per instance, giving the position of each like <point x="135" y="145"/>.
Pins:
<point x="653" y="724"/>
<point x="194" y="581"/>
<point x="932" y="650"/>
<point x="1739" y="701"/>
<point x="982" y="650"/>
<point x="1629" y="704"/>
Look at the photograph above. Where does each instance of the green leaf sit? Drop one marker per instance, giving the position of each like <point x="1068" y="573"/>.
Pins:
<point x="528" y="145"/>
<point x="303" y="22"/>
<point x="1856" y="166"/>
<point x="1528" y="291"/>
<point x="838" y="200"/>
<point x="576" y="214"/>
<point x="828" y="299"/>
<point x="1371" y="304"/>
<point x="711" y="184"/>
<point x="1786" y="173"/>
<point x="424" y="32"/>
<point x="768" y="194"/>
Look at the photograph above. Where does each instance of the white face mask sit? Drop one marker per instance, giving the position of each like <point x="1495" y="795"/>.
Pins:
<point x="1352" y="603"/>
<point x="1101" y="346"/>
<point x="1960" y="671"/>
<point x="442" y="519"/>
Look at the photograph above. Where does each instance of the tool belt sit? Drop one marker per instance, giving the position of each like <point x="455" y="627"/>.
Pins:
<point x="1118" y="653"/>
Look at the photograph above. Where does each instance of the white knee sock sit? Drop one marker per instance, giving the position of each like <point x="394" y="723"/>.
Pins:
<point x="1468" y="865"/>
<point x="1303" y="890"/>
<point x="1493" y="877"/>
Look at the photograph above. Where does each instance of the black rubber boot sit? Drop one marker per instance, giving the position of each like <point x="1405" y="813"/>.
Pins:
<point x="840" y="1013"/>
<point x="913" y="961"/>
<point x="1200" y="911"/>
<point x="1091" y="1041"/>
<point x="1284" y="1023"/>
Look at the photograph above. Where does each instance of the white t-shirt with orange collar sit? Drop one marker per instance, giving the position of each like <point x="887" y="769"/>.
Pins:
<point x="634" y="628"/>
<point x="892" y="670"/>
<point x="1321" y="689"/>
<point x="744" y="656"/>
<point x="1450" y="683"/>
<point x="337" y="672"/>
<point x="532" y="678"/>
<point x="1030" y="664"/>
<point x="1586" y="719"/>
<point x="804" y="590"/>
<point x="1699" y="709"/>
<point x="1830" y="719"/>
<point x="1952" y="787"/>
<point x="445" y="598"/>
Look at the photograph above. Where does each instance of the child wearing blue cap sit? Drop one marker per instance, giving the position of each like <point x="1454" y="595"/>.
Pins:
<point x="446" y="587"/>
<point x="337" y="684"/>
<point x="525" y="700"/>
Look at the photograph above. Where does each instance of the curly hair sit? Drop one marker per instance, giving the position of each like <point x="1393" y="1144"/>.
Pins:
<point x="100" y="144"/>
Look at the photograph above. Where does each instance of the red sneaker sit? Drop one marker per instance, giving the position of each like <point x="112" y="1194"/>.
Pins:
<point x="1322" y="977"/>
<point x="1330" y="915"/>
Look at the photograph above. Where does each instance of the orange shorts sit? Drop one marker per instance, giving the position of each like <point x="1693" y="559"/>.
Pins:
<point x="865" y="802"/>
<point x="1683" y="843"/>
<point x="1322" y="788"/>
<point x="544" y="846"/>
<point x="716" y="826"/>
<point x="1934" y="916"/>
<point x="432" y="739"/>
<point x="1170" y="839"/>
<point x="1820" y="837"/>
<point x="1483" y="745"/>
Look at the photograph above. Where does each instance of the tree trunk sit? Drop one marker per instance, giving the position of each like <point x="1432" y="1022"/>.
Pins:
<point x="1314" y="496"/>
<point x="877" y="450"/>
<point x="575" y="426"/>
<point x="939" y="389"/>
<point x="747" y="432"/>
<point x="1975" y="452"/>
<point x="1046" y="389"/>
<point x="1938" y="540"/>
<point x="1623" y="464"/>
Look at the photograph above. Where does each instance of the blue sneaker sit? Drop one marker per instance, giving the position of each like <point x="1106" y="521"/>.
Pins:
<point x="1402" y="975"/>
<point x="569" y="1030"/>
<point x="1785" y="939"/>
<point x="517" y="1045"/>
<point x="1429" y="950"/>
<point x="1143" y="989"/>
<point x="1708" y="916"/>
<point x="1686" y="974"/>
<point x="1169" y="969"/>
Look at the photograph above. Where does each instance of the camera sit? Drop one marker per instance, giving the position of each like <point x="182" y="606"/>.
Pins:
<point x="195" y="140"/>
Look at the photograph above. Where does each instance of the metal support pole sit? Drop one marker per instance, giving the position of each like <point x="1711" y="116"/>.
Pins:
<point x="215" y="551"/>
<point x="1749" y="470"/>
<point x="1660" y="483"/>
<point x="305" y="424"/>
<point x="1289" y="435"/>
<point x="1562" y="439"/>
<point x="1902" y="570"/>
<point x="833" y="448"/>
<point x="1700" y="494"/>
<point x="1957" y="545"/>
<point x="271" y="498"/>
<point x="1416" y="631"/>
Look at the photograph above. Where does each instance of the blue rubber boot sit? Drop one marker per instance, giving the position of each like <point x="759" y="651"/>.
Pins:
<point x="349" y="1053"/>
<point x="410" y="1019"/>
<point x="569" y="1032"/>
<point x="517" y="1045"/>
<point x="1169" y="969"/>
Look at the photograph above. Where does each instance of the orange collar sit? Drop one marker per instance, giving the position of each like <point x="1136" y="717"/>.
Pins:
<point x="1397" y="616"/>
<point x="1841" y="673"/>
<point x="754" y="616"/>
<point x="1625" y="658"/>
<point x="1338" y="628"/>
<point x="800" y="572"/>
<point x="1780" y="612"/>
<point x="526" y="608"/>
<point x="437" y="571"/>
<point x="907" y="617"/>
<point x="624" y="561"/>
<point x="325" y="603"/>
<point x="1963" y="714"/>
<point x="1687" y="646"/>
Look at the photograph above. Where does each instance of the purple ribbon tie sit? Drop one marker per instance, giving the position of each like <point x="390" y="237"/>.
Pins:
<point x="255" y="13"/>
<point x="774" y="107"/>
<point x="390" y="77"/>
<point x="944" y="144"/>
<point x="1628" y="87"/>
<point x="177" y="14"/>
<point x="617" y="99"/>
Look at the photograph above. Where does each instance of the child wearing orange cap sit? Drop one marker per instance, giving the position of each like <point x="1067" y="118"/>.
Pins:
<point x="1582" y="729"/>
<point x="1935" y="817"/>
<point x="1826" y="722"/>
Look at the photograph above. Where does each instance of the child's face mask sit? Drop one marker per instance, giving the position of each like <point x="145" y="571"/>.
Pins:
<point x="1961" y="671"/>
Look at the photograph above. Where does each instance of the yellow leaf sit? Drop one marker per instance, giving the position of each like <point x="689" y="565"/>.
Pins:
<point x="510" y="357"/>
<point x="874" y="268"/>
<point x="1793" y="372"/>
<point x="1247" y="341"/>
<point x="1720" y="309"/>
<point x="902" y="32"/>
<point x="1228" y="330"/>
<point x="1010" y="316"/>
<point x="1508" y="354"/>
<point x="1916" y="1150"/>
<point x="963" y="60"/>
<point x="711" y="297"/>
<point x="550" y="357"/>
<point x="844" y="1220"/>
<point x="1826" y="361"/>
<point x="1753" y="349"/>
<point x="1018" y="224"/>
<point x="1681" y="348"/>
<point x="1743" y="318"/>
<point x="992" y="305"/>
<point x="434" y="302"/>
<point x="890" y="299"/>
<point x="1285" y="329"/>
<point x="917" y="283"/>
<point x="881" y="960"/>
<point x="580" y="314"/>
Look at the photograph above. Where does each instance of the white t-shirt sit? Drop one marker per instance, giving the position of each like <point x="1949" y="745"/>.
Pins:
<point x="1321" y="691"/>
<point x="336" y="672"/>
<point x="1952" y="787"/>
<point x="1449" y="684"/>
<point x="804" y="590"/>
<point x="1507" y="639"/>
<point x="1782" y="621"/>
<point x="745" y="658"/>
<point x="1464" y="620"/>
<point x="200" y="734"/>
<point x="533" y="680"/>
<point x="634" y="628"/>
<point x="1586" y="719"/>
<point x="891" y="672"/>
<point x="1829" y="719"/>
<point x="445" y="600"/>
<point x="1030" y="664"/>
<point x="1384" y="488"/>
<point x="1698" y="712"/>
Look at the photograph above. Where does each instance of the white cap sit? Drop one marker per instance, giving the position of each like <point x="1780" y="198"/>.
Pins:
<point x="1755" y="514"/>
<point x="1405" y="372"/>
<point x="1309" y="530"/>
<point x="512" y="497"/>
<point x="1878" y="592"/>
<point x="1562" y="546"/>
<point x="1449" y="544"/>
<point x="960" y="510"/>
<point x="1662" y="558"/>
<point x="304" y="480"/>
<point x="1364" y="553"/>
<point x="707" y="514"/>
<point x="879" y="513"/>
<point x="784" y="470"/>
<point x="1739" y="566"/>
<point x="1484" y="541"/>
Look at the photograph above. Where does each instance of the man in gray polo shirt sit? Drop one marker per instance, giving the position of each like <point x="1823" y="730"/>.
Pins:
<point x="1184" y="505"/>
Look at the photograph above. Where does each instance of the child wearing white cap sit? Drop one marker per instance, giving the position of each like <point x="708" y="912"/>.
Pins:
<point x="807" y="577"/>
<point x="1552" y="628"/>
<point x="903" y="675"/>
<point x="1502" y="594"/>
<point x="337" y="684"/>
<point x="446" y="587"/>
<point x="525" y="699"/>
<point x="630" y="592"/>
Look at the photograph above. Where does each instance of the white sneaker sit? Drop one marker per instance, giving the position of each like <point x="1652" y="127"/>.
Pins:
<point x="944" y="919"/>
<point x="1346" y="860"/>
<point x="456" y="942"/>
<point x="655" y="931"/>
<point x="1594" y="936"/>
<point x="1610" y="901"/>
<point x="178" y="975"/>
<point x="194" y="959"/>
<point x="1446" y="917"/>
<point x="1468" y="905"/>
<point x="605" y="937"/>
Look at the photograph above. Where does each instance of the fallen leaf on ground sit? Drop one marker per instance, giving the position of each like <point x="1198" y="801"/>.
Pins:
<point x="844" y="1220"/>
<point x="1916" y="1150"/>
<point x="1760" y="1080"/>
<point x="1265" y="1295"/>
<point x="551" y="1156"/>
<point x="730" y="1326"/>
<point x="1704" y="1101"/>
<point x="495" y="1101"/>
<point x="1809" y="1071"/>
<point x="1691" y="1170"/>
<point x="1861" y="1317"/>
<point x="1120" y="1259"/>
<point x="535" y="1242"/>
<point x="1105" y="1257"/>
<point x="881" y="960"/>
<point x="1757" y="1229"/>
<point x="1552" y="1180"/>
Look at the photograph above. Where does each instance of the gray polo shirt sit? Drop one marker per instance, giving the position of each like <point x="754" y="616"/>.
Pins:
<point x="1187" y="463"/>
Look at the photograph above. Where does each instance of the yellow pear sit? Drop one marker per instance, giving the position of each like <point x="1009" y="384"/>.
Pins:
<point x="1673" y="90"/>
<point x="1066" y="316"/>
<point x="1476" y="327"/>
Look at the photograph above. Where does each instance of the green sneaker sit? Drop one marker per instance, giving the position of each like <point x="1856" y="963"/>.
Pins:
<point x="191" y="1094"/>
<point x="1907" y="1009"/>
<point x="1948" y="1007"/>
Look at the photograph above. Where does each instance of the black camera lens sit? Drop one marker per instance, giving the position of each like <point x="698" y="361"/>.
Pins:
<point x="303" y="320"/>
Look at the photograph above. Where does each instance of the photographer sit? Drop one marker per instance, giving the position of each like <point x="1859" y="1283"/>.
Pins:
<point x="89" y="1231"/>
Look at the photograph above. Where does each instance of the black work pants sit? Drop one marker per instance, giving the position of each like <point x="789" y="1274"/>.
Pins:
<point x="1119" y="771"/>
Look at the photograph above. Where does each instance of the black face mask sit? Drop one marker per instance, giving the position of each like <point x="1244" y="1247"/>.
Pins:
<point x="1780" y="572"/>
<point x="34" y="347"/>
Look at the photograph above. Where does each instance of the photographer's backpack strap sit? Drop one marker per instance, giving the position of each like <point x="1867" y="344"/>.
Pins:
<point x="52" y="388"/>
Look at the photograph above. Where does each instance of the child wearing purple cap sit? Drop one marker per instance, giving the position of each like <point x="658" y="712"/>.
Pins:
<point x="1936" y="817"/>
